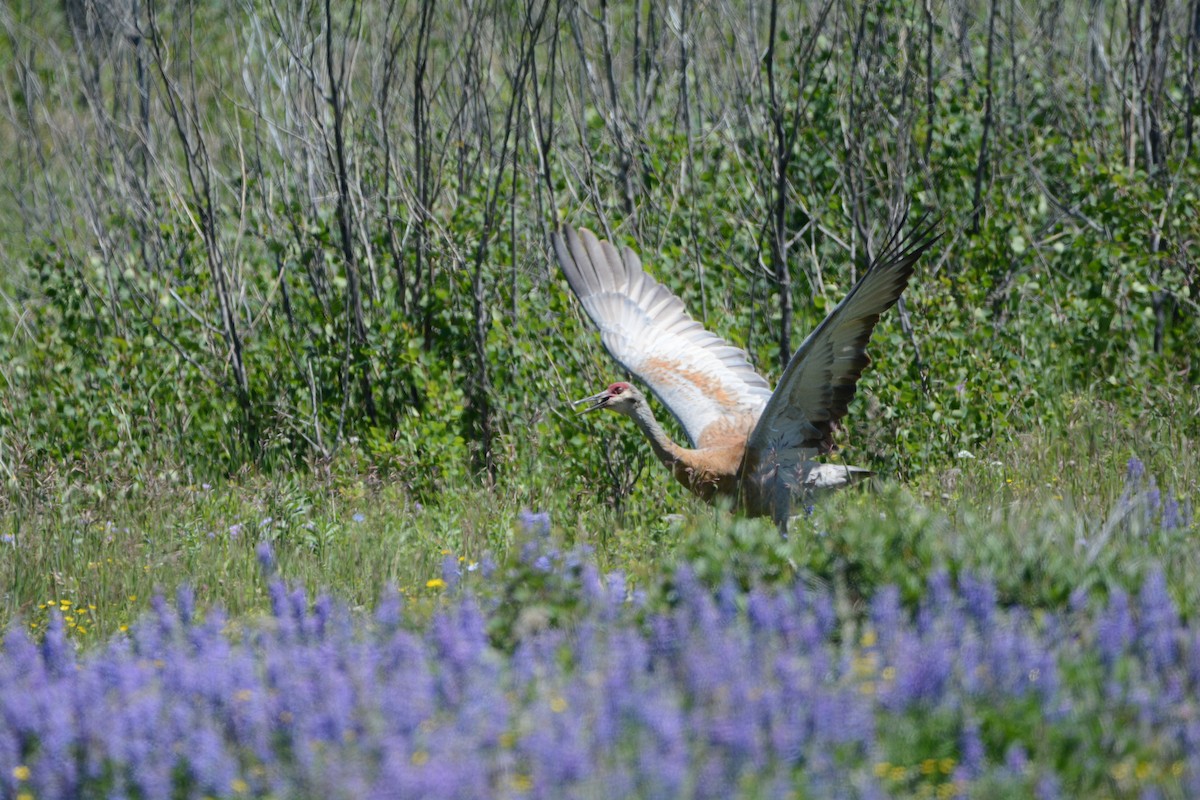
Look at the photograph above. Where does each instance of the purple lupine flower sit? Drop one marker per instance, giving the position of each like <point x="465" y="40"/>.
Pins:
<point x="58" y="654"/>
<point x="1048" y="787"/>
<point x="1016" y="760"/>
<point x="1134" y="470"/>
<point x="535" y="522"/>
<point x="923" y="667"/>
<point x="451" y="572"/>
<point x="971" y="746"/>
<point x="266" y="558"/>
<point x="1153" y="499"/>
<point x="1079" y="600"/>
<point x="980" y="597"/>
<point x="1170" y="513"/>
<point x="185" y="603"/>
<point x="1158" y="620"/>
<point x="1115" y="630"/>
<point x="759" y="693"/>
<point x="886" y="613"/>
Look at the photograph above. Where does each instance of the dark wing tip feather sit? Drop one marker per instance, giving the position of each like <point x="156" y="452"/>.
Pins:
<point x="901" y="253"/>
<point x="899" y="257"/>
<point x="883" y="283"/>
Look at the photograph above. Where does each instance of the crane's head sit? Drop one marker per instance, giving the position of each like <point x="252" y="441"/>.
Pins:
<point x="620" y="397"/>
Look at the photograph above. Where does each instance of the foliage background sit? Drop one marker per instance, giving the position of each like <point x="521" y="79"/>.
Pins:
<point x="261" y="234"/>
<point x="277" y="282"/>
<point x="298" y="252"/>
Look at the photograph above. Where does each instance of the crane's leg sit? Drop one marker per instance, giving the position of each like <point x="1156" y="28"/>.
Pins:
<point x="781" y="506"/>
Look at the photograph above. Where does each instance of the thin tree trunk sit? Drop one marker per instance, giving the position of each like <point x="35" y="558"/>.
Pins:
<point x="781" y="147"/>
<point x="981" y="165"/>
<point x="422" y="156"/>
<point x="356" y="323"/>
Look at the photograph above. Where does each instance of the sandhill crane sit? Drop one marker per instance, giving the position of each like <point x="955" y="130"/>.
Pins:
<point x="749" y="444"/>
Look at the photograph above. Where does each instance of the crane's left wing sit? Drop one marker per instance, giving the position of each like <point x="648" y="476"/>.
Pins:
<point x="706" y="383"/>
<point x="819" y="382"/>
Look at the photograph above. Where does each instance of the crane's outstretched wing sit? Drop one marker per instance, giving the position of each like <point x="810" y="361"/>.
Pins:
<point x="707" y="384"/>
<point x="820" y="379"/>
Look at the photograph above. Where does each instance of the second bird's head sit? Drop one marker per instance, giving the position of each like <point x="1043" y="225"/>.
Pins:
<point x="620" y="397"/>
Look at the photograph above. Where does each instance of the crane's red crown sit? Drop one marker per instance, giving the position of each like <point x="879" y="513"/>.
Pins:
<point x="620" y="387"/>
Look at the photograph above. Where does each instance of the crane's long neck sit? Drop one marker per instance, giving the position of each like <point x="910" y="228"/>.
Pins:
<point x="667" y="451"/>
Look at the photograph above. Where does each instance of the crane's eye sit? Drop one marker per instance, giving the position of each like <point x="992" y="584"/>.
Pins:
<point x="618" y="389"/>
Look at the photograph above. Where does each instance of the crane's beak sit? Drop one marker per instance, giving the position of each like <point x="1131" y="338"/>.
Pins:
<point x="596" y="400"/>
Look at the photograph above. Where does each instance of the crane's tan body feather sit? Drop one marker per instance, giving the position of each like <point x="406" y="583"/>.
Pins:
<point x="749" y="444"/>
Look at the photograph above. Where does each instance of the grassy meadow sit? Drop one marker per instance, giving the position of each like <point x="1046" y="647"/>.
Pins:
<point x="293" y="502"/>
<point x="1042" y="520"/>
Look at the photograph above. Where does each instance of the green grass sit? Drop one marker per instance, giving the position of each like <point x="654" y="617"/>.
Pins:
<point x="1031" y="512"/>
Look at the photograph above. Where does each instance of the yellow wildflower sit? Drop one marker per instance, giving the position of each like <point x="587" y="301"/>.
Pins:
<point x="21" y="772"/>
<point x="419" y="758"/>
<point x="435" y="583"/>
<point x="558" y="704"/>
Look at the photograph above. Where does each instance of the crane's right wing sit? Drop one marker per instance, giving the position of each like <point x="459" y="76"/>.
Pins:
<point x="698" y="376"/>
<point x="815" y="390"/>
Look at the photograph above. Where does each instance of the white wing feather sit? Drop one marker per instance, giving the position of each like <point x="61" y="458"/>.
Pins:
<point x="698" y="376"/>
